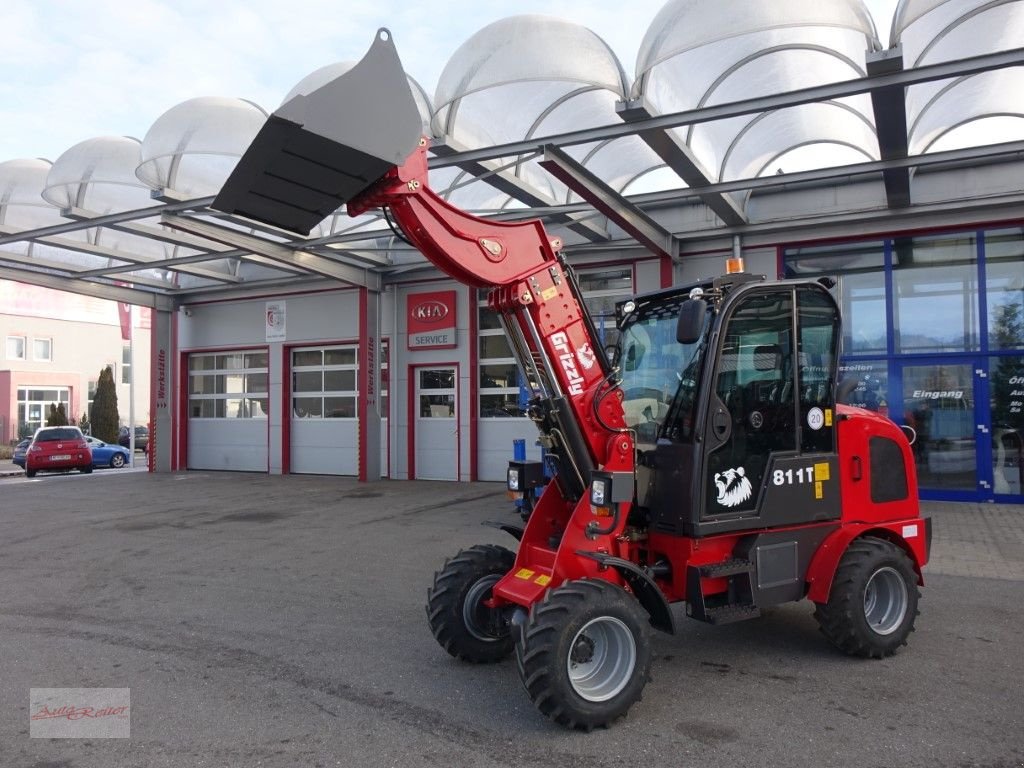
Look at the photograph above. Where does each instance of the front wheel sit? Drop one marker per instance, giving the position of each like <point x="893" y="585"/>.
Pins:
<point x="457" y="611"/>
<point x="585" y="655"/>
<point x="117" y="460"/>
<point x="872" y="605"/>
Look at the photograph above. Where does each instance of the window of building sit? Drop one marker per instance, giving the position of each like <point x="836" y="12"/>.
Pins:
<point x="935" y="281"/>
<point x="228" y="385"/>
<point x="503" y="390"/>
<point x="385" y="378"/>
<point x="601" y="289"/>
<point x="501" y="394"/>
<point x="42" y="349"/>
<point x="33" y="403"/>
<point x="126" y="364"/>
<point x="324" y="382"/>
<point x="15" y="347"/>
<point x="859" y="269"/>
<point x="1004" y="283"/>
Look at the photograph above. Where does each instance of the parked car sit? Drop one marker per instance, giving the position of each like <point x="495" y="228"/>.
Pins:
<point x="107" y="455"/>
<point x="19" y="452"/>
<point x="141" y="438"/>
<point x="58" y="448"/>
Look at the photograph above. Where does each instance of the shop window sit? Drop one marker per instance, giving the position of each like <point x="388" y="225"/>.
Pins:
<point x="1004" y="284"/>
<point x="33" y="403"/>
<point x="859" y="269"/>
<point x="228" y="386"/>
<point x="325" y="383"/>
<point x="865" y="383"/>
<point x="935" y="280"/>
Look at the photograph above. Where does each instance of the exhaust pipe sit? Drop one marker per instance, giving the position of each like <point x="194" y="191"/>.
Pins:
<point x="319" y="150"/>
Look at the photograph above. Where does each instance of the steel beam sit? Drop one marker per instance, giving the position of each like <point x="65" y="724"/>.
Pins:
<point x="88" y="288"/>
<point x="518" y="189"/>
<point x="681" y="159"/>
<point x="132" y="260"/>
<point x="36" y="262"/>
<point x="275" y="252"/>
<point x="890" y="108"/>
<point x="609" y="202"/>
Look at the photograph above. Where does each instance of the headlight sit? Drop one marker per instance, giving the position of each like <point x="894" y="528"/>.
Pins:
<point x="513" y="479"/>
<point x="600" y="492"/>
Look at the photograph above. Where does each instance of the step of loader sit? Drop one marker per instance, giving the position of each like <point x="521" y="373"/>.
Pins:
<point x="732" y="567"/>
<point x="735" y="603"/>
<point x="727" y="614"/>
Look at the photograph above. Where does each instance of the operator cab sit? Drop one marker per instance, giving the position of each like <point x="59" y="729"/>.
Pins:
<point x="729" y="387"/>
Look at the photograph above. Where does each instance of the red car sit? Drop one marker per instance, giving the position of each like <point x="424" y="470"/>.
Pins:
<point x="58" y="448"/>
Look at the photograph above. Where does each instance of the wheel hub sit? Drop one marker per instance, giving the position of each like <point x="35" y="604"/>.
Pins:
<point x="601" y="659"/>
<point x="582" y="650"/>
<point x="885" y="601"/>
<point x="479" y="618"/>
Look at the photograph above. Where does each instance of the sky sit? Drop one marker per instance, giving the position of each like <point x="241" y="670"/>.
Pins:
<point x="78" y="70"/>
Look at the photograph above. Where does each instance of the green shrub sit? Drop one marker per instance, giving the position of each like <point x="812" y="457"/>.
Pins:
<point x="104" y="415"/>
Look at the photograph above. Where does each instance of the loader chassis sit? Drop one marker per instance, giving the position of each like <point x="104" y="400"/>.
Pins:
<point x="707" y="462"/>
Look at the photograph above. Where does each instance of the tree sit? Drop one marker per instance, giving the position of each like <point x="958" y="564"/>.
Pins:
<point x="104" y="417"/>
<point x="84" y="425"/>
<point x="56" y="416"/>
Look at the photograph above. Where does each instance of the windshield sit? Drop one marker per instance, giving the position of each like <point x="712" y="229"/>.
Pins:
<point x="659" y="375"/>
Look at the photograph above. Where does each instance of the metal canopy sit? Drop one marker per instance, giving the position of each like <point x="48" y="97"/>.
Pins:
<point x="535" y="116"/>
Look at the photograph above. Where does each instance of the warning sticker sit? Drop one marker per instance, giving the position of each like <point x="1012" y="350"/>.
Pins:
<point x="524" y="573"/>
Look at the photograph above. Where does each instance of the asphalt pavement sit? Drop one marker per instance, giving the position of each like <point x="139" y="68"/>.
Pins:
<point x="279" y="621"/>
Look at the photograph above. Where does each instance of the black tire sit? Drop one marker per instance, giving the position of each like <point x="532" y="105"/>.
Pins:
<point x="86" y="469"/>
<point x="117" y="461"/>
<point x="463" y="626"/>
<point x="873" y="601"/>
<point x="585" y="655"/>
<point x="30" y="473"/>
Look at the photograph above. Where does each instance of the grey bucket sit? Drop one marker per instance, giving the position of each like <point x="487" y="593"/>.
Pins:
<point x="321" y="149"/>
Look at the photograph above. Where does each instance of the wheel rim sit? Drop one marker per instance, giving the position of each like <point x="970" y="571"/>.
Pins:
<point x="476" y="615"/>
<point x="602" y="658"/>
<point x="885" y="600"/>
<point x="117" y="460"/>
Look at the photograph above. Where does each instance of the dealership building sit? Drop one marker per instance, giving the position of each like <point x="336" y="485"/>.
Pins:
<point x="795" y="134"/>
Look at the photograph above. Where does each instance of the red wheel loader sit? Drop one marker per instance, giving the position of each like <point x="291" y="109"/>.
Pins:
<point x="703" y="461"/>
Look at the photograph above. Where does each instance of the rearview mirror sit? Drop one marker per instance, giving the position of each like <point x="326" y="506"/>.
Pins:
<point x="691" y="320"/>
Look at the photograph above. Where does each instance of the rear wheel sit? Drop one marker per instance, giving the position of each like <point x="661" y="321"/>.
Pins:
<point x="117" y="460"/>
<point x="873" y="602"/>
<point x="86" y="469"/>
<point x="30" y="473"/>
<point x="585" y="654"/>
<point x="461" y="621"/>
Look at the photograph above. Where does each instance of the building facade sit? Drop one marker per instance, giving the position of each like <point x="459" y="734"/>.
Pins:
<point x="54" y="346"/>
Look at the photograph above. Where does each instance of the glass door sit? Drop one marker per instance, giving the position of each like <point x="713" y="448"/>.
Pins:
<point x="946" y="402"/>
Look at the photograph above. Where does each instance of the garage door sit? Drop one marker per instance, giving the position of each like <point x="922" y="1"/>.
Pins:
<point x="324" y="433"/>
<point x="227" y="411"/>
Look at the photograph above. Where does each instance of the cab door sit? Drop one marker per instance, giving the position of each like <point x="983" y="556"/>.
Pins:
<point x="770" y="435"/>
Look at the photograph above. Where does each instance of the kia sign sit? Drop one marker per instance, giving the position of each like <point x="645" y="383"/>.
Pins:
<point x="431" y="318"/>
